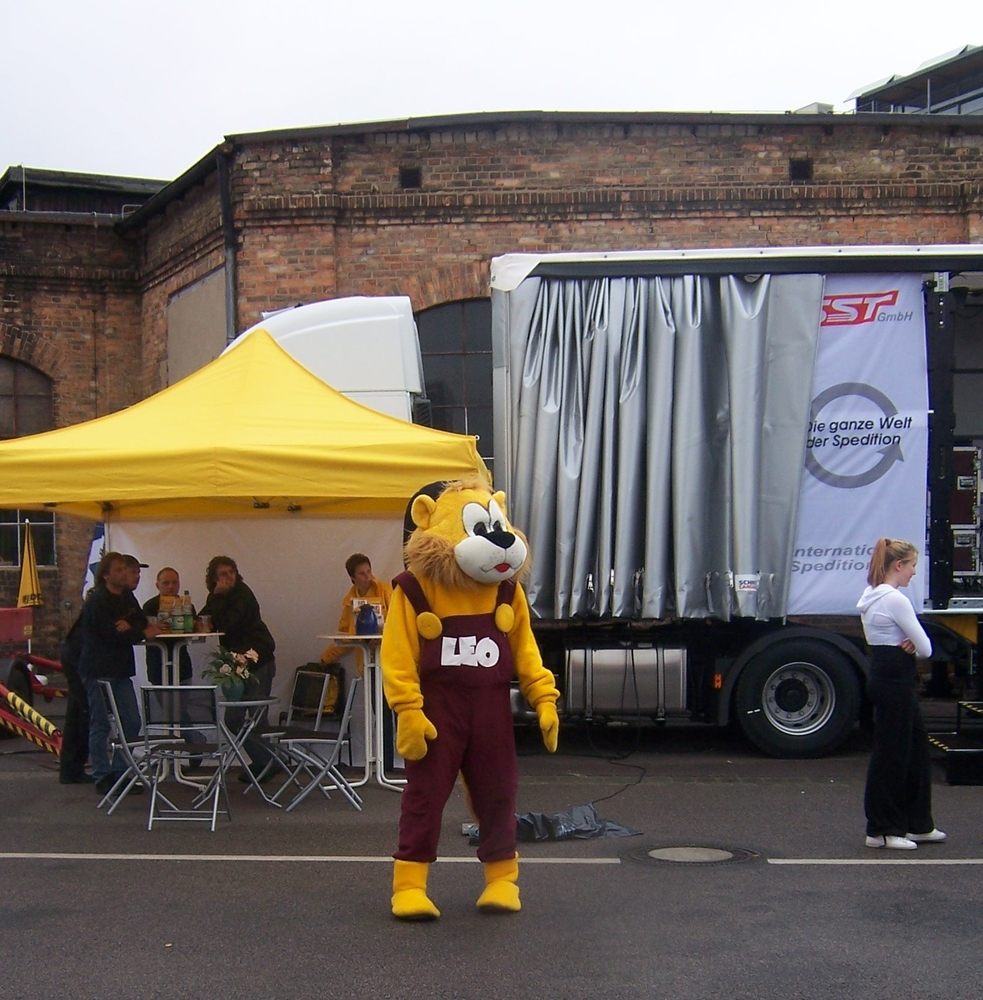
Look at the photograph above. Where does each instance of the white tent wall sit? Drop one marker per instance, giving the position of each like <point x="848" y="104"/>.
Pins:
<point x="296" y="568"/>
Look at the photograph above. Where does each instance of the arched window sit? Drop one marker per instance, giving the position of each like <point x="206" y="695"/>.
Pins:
<point x="455" y="342"/>
<point x="25" y="408"/>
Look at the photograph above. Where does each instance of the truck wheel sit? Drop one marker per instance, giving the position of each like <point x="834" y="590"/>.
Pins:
<point x="798" y="699"/>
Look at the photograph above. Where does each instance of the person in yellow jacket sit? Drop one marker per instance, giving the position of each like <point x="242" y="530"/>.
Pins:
<point x="457" y="632"/>
<point x="365" y="590"/>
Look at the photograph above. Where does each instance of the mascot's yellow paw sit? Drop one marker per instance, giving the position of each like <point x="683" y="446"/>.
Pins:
<point x="504" y="618"/>
<point x="549" y="724"/>
<point x="428" y="625"/>
<point x="501" y="893"/>
<point x="413" y="729"/>
<point x="410" y="900"/>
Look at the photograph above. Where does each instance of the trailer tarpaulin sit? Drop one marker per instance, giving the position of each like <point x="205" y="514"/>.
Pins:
<point x="653" y="439"/>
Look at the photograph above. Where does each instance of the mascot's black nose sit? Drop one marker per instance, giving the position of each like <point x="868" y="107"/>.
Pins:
<point x="503" y="539"/>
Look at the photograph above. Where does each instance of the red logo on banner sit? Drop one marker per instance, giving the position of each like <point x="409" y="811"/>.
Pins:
<point x="854" y="308"/>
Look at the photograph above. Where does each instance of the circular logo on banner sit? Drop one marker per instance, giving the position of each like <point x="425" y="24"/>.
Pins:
<point x="889" y="453"/>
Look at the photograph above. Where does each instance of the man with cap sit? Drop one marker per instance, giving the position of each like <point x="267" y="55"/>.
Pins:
<point x="112" y="623"/>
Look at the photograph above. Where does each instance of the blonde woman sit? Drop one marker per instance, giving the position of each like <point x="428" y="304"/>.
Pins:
<point x="898" y="796"/>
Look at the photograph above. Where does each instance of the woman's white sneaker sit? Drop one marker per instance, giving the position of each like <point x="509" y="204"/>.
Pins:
<point x="932" y="837"/>
<point x="892" y="843"/>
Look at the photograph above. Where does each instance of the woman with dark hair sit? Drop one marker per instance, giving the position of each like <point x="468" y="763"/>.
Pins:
<point x="235" y="612"/>
<point x="898" y="796"/>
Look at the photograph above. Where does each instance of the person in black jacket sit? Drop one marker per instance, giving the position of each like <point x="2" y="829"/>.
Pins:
<point x="75" y="729"/>
<point x="112" y="624"/>
<point x="235" y="612"/>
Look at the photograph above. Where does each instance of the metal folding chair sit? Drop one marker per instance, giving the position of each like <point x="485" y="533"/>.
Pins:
<point x="175" y="712"/>
<point x="309" y="694"/>
<point x="312" y="759"/>
<point x="134" y="754"/>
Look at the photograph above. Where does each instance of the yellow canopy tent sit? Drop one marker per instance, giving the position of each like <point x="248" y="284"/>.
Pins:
<point x="253" y="433"/>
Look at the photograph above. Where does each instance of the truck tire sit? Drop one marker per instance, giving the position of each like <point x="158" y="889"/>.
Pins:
<point x="18" y="682"/>
<point x="798" y="698"/>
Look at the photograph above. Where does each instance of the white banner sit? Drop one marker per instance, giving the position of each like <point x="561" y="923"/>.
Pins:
<point x="867" y="453"/>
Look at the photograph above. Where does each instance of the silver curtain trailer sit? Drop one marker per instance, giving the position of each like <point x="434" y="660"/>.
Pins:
<point x="661" y="437"/>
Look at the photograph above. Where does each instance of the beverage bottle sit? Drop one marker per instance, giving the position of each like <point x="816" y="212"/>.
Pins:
<point x="187" y="618"/>
<point x="177" y="615"/>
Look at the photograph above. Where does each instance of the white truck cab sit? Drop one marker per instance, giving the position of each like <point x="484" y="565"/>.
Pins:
<point x="366" y="348"/>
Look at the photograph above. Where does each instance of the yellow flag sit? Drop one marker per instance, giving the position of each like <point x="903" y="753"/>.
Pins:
<point x="29" y="594"/>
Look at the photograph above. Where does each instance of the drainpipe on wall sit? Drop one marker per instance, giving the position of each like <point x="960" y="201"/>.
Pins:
<point x="224" y="155"/>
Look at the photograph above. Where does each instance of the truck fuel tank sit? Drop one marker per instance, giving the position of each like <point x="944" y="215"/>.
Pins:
<point x="626" y="681"/>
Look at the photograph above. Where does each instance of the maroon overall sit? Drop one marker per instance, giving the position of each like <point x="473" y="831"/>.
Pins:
<point x="465" y="675"/>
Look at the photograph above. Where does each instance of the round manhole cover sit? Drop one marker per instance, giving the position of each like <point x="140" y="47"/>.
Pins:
<point x="693" y="854"/>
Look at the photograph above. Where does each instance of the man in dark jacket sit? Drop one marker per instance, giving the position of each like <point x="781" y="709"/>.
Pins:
<point x="112" y="624"/>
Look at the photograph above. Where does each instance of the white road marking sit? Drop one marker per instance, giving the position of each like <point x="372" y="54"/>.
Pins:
<point x="875" y="861"/>
<point x="301" y="858"/>
<point x="386" y="859"/>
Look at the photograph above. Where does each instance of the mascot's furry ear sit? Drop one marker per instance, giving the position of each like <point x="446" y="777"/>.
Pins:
<point x="422" y="510"/>
<point x="431" y="490"/>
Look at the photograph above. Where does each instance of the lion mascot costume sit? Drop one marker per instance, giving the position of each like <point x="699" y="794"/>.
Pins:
<point x="456" y="634"/>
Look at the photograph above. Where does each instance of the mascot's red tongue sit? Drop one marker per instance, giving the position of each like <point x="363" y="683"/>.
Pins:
<point x="503" y="567"/>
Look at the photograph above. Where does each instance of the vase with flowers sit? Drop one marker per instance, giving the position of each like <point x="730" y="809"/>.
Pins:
<point x="230" y="671"/>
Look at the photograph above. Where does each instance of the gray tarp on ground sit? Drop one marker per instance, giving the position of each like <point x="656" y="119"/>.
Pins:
<point x="654" y="440"/>
<point x="572" y="823"/>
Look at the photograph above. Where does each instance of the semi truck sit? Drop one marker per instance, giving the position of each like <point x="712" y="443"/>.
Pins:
<point x="703" y="447"/>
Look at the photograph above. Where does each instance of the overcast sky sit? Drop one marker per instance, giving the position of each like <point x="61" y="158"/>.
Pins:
<point x="145" y="89"/>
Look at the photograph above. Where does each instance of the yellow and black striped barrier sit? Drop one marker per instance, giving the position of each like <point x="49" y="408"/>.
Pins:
<point x="27" y="722"/>
<point x="25" y="711"/>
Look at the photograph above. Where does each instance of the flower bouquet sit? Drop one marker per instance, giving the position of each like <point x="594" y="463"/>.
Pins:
<point x="230" y="670"/>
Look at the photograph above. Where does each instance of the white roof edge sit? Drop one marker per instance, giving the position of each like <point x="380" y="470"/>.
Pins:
<point x="510" y="270"/>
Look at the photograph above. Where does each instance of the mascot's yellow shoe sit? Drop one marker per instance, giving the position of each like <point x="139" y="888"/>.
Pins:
<point x="410" y="900"/>
<point x="501" y="893"/>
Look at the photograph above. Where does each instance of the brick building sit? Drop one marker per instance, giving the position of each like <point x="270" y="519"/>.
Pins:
<point x="104" y="304"/>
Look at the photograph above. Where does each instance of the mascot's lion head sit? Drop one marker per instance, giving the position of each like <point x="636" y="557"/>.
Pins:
<point x="463" y="539"/>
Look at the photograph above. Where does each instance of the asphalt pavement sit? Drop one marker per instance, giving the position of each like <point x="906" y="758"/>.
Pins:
<point x="775" y="895"/>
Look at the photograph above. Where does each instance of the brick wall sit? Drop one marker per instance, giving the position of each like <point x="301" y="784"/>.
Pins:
<point x="586" y="157"/>
<point x="70" y="307"/>
<point x="325" y="213"/>
<point x="175" y="248"/>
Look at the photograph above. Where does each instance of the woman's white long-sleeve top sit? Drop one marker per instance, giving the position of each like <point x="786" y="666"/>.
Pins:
<point x="888" y="619"/>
